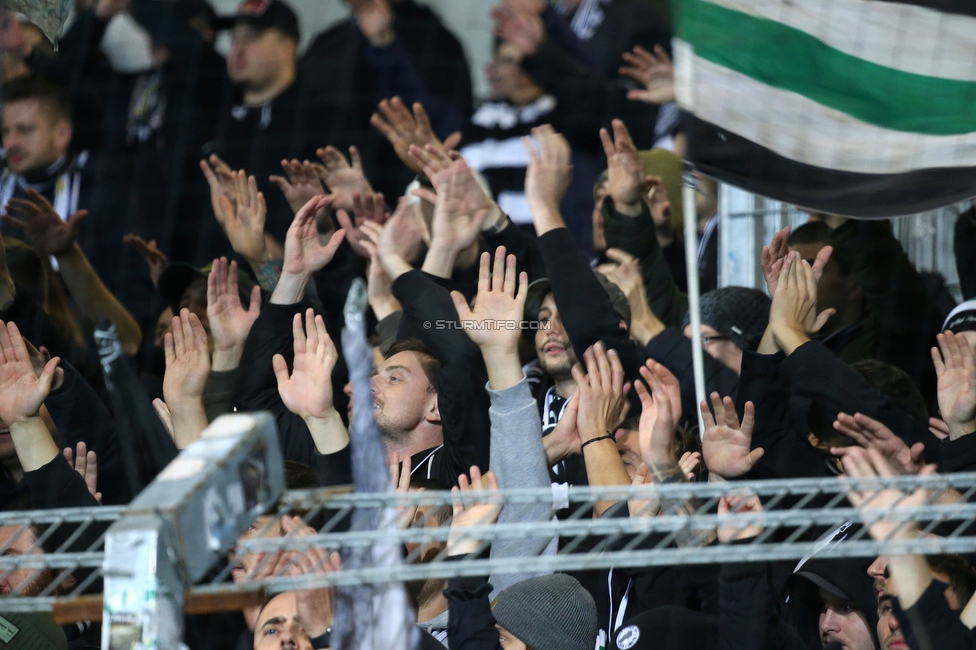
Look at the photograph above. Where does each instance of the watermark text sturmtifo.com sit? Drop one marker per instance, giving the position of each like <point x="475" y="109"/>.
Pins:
<point x="487" y="325"/>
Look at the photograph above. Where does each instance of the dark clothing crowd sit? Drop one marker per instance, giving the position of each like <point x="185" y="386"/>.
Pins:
<point x="182" y="229"/>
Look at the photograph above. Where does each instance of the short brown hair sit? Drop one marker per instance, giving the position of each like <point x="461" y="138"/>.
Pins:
<point x="46" y="91"/>
<point x="430" y="364"/>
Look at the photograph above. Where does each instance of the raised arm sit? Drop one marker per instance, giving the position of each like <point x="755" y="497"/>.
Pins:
<point x="52" y="236"/>
<point x="187" y="369"/>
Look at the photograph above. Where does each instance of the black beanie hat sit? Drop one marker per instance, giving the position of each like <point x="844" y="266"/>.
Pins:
<point x="736" y="312"/>
<point x="552" y="612"/>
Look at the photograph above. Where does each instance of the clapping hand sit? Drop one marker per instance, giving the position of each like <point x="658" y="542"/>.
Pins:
<point x="243" y="218"/>
<point x="774" y="255"/>
<point x="658" y="422"/>
<point x="397" y="242"/>
<point x="793" y="316"/>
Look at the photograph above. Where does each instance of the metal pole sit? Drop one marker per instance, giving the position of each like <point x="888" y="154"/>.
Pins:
<point x="694" y="292"/>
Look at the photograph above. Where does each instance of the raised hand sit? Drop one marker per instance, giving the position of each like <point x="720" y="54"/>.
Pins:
<point x="460" y="207"/>
<point x="773" y="256"/>
<point x="397" y="243"/>
<point x="366" y="207"/>
<point x="625" y="172"/>
<point x="304" y="253"/>
<point x="343" y="179"/>
<point x="21" y="390"/>
<point x="229" y="322"/>
<point x="654" y="72"/>
<point x="220" y="178"/>
<point x="187" y="353"/>
<point x="187" y="367"/>
<point x="400" y="478"/>
<point x="547" y="177"/>
<point x="301" y="185"/>
<point x="564" y="440"/>
<point x="498" y="301"/>
<point x="601" y="393"/>
<point x="658" y="423"/>
<point x="404" y="130"/>
<point x="469" y="512"/>
<point x="644" y="324"/>
<point x="307" y="392"/>
<point x="726" y="444"/>
<point x="45" y="228"/>
<point x="243" y="219"/>
<point x="871" y="434"/>
<point x="85" y="462"/>
<point x="869" y="463"/>
<point x="956" y="370"/>
<point x="739" y="503"/>
<point x="155" y="258"/>
<point x="793" y="317"/>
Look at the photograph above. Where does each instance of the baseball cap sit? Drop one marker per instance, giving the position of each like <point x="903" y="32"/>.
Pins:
<point x="540" y="288"/>
<point x="268" y="14"/>
<point x="962" y="318"/>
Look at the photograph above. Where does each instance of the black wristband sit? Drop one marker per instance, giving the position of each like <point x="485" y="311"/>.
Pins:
<point x="609" y="436"/>
<point x="322" y="641"/>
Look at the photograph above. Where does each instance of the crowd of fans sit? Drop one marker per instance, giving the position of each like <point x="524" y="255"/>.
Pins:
<point x="526" y="279"/>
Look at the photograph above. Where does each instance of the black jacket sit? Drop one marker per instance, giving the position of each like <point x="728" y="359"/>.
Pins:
<point x="429" y="314"/>
<point x="257" y="390"/>
<point x="750" y="617"/>
<point x="80" y="416"/>
<point x="807" y="390"/>
<point x="929" y="623"/>
<point x="470" y="623"/>
<point x="348" y="78"/>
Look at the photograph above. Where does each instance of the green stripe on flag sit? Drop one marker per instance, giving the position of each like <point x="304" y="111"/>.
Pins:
<point x="790" y="59"/>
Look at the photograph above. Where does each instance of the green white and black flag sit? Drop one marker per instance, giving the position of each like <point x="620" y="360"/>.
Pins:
<point x="856" y="107"/>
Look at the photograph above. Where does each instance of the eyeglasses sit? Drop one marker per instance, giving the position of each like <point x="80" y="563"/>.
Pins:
<point x="711" y="339"/>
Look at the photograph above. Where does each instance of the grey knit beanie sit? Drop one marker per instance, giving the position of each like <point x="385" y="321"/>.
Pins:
<point x="552" y="612"/>
<point x="736" y="312"/>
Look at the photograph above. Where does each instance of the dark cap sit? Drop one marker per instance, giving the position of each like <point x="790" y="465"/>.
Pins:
<point x="174" y="281"/>
<point x="539" y="289"/>
<point x="268" y="14"/>
<point x="962" y="318"/>
<point x="739" y="313"/>
<point x="177" y="277"/>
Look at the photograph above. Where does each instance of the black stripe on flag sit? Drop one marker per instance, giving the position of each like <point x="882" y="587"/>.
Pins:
<point x="962" y="7"/>
<point x="740" y="162"/>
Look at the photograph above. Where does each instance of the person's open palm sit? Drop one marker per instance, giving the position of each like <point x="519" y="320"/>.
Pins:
<point x="498" y="301"/>
<point x="47" y="231"/>
<point x="550" y="168"/>
<point x="21" y="391"/>
<point x="727" y="444"/>
<point x="300" y="184"/>
<point x="470" y="512"/>
<point x="956" y="371"/>
<point x="304" y="253"/>
<point x="229" y="322"/>
<point x="187" y="360"/>
<point x="307" y="391"/>
<point x="402" y="129"/>
<point x="625" y="171"/>
<point x="871" y="434"/>
<point x="344" y="179"/>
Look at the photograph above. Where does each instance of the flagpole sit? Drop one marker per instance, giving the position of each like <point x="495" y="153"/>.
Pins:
<point x="694" y="291"/>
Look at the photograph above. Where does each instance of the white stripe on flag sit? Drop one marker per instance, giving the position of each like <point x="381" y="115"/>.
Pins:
<point x="803" y="130"/>
<point x="891" y="34"/>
